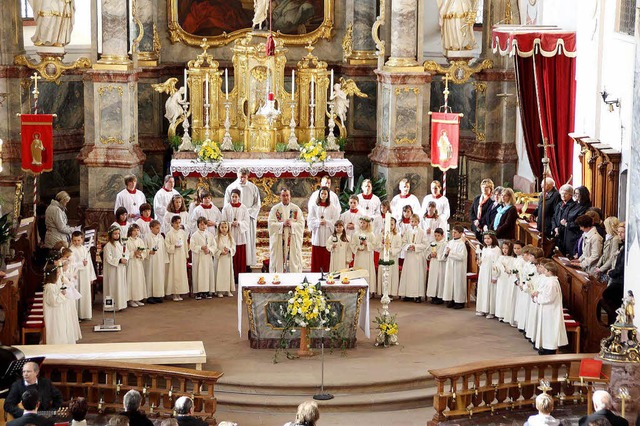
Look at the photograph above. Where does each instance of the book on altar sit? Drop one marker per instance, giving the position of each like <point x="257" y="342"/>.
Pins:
<point x="351" y="273"/>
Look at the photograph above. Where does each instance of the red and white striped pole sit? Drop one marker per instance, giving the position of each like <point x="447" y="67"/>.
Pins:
<point x="444" y="184"/>
<point x="35" y="194"/>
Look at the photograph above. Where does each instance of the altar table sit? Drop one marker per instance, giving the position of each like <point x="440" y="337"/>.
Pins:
<point x="335" y="292"/>
<point x="276" y="167"/>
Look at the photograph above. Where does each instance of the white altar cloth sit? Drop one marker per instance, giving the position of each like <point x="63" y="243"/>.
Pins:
<point x="291" y="279"/>
<point x="273" y="167"/>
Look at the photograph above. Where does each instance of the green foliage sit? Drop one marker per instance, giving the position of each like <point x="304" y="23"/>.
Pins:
<point x="174" y="142"/>
<point x="152" y="184"/>
<point x="238" y="146"/>
<point x="379" y="189"/>
<point x="281" y="147"/>
<point x="6" y="229"/>
<point x="342" y="142"/>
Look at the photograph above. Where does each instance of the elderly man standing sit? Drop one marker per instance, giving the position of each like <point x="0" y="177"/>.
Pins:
<point x="163" y="198"/>
<point x="50" y="397"/>
<point x="131" y="401"/>
<point x="286" y="228"/>
<point x="250" y="198"/>
<point x="551" y="200"/>
<point x="602" y="405"/>
<point x="184" y="413"/>
<point x="130" y="198"/>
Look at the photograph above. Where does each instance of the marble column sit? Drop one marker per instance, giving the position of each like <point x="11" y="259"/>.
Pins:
<point x="11" y="43"/>
<point x="404" y="33"/>
<point x="147" y="41"/>
<point x="111" y="147"/>
<point x="360" y="16"/>
<point x="402" y="131"/>
<point x="115" y="45"/>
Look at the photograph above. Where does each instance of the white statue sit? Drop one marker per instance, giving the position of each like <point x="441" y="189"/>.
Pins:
<point x="341" y="102"/>
<point x="260" y="9"/>
<point x="173" y="106"/>
<point x="54" y="22"/>
<point x="456" y="23"/>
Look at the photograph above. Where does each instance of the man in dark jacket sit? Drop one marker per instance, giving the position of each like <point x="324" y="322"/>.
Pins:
<point x="50" y="397"/>
<point x="131" y="402"/>
<point x="184" y="413"/>
<point x="551" y="200"/>
<point x="30" y="415"/>
<point x="602" y="406"/>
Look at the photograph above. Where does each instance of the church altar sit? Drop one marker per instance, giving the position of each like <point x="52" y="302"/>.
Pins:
<point x="350" y="301"/>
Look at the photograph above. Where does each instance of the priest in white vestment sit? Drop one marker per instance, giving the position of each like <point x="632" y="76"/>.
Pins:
<point x="130" y="198"/>
<point x="250" y="198"/>
<point x="163" y="198"/>
<point x="286" y="229"/>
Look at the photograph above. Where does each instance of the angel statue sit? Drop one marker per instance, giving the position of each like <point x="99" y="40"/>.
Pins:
<point x="341" y="92"/>
<point x="175" y="104"/>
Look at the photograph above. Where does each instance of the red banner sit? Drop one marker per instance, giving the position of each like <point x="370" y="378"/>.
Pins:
<point x="445" y="140"/>
<point x="37" y="142"/>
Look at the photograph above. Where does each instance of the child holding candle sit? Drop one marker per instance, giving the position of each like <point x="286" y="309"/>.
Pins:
<point x="86" y="274"/>
<point x="487" y="276"/>
<point x="115" y="259"/>
<point x="393" y="240"/>
<point x="351" y="217"/>
<point x="437" y="263"/>
<point x="550" y="329"/>
<point x="505" y="287"/>
<point x="135" y="268"/>
<point x="413" y="280"/>
<point x="455" y="275"/>
<point x="203" y="246"/>
<point x="363" y="243"/>
<point x="338" y="246"/>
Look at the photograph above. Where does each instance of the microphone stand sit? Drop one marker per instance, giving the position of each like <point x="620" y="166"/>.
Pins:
<point x="322" y="396"/>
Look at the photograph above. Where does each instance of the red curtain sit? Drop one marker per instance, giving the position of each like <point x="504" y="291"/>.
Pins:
<point x="547" y="106"/>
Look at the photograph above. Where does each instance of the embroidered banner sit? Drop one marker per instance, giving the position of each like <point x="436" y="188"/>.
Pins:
<point x="37" y="142"/>
<point x="445" y="140"/>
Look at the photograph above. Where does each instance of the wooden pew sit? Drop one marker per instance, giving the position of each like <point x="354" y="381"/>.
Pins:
<point x="580" y="295"/>
<point x="10" y="303"/>
<point x="528" y="234"/>
<point x="24" y="245"/>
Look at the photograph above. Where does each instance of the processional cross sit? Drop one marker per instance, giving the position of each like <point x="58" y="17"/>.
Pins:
<point x="35" y="77"/>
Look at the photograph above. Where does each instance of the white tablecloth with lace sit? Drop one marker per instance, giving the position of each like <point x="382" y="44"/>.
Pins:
<point x="280" y="168"/>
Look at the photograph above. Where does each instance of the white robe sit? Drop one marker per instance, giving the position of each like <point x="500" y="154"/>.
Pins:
<point x="160" y="203"/>
<point x="185" y="221"/>
<point x="131" y="202"/>
<point x="144" y="227"/>
<point x="510" y="303"/>
<point x="550" y="329"/>
<point x="394" y="270"/>
<point x="333" y="198"/>
<point x="341" y="253"/>
<point x="532" y="312"/>
<point x="239" y="233"/>
<point x="86" y="276"/>
<point x="115" y="274"/>
<point x="370" y="207"/>
<point x="212" y="214"/>
<point x="486" y="299"/>
<point x="56" y="317"/>
<point x="505" y="287"/>
<point x="224" y="265"/>
<point x="363" y="255"/>
<point x="155" y="266"/>
<point x="455" y="275"/>
<point x="250" y="198"/>
<point x="279" y="235"/>
<point x="202" y="271"/>
<point x="348" y="217"/>
<point x="54" y="20"/>
<point x="413" y="281"/>
<point x="525" y="275"/>
<point x="430" y="224"/>
<point x="135" y="270"/>
<point x="177" y="280"/>
<point x="124" y="229"/>
<point x="442" y="206"/>
<point x="398" y="202"/>
<point x="69" y="279"/>
<point x="437" y="265"/>
<point x="320" y="233"/>
<point x="456" y="33"/>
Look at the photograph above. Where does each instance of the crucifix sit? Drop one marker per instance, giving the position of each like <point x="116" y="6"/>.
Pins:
<point x="35" y="77"/>
<point x="545" y="170"/>
<point x="446" y="92"/>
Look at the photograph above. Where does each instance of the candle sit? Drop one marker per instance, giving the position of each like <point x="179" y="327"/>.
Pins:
<point x="186" y="88"/>
<point x="387" y="235"/>
<point x="313" y="90"/>
<point x="293" y="84"/>
<point x="331" y="85"/>
<point x="206" y="90"/>
<point x="387" y="223"/>
<point x="226" y="82"/>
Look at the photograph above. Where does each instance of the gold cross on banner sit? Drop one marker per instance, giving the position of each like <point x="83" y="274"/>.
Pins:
<point x="35" y="77"/>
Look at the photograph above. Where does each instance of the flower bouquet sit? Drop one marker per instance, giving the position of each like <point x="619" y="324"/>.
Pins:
<point x="307" y="307"/>
<point x="387" y="330"/>
<point x="209" y="152"/>
<point x="313" y="152"/>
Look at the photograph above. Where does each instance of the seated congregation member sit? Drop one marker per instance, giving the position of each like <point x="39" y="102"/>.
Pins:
<point x="405" y="198"/>
<point x="225" y="249"/>
<point x="506" y="216"/>
<point x="78" y="409"/>
<point x="184" y="413"/>
<point x="162" y="199"/>
<point x="481" y="206"/>
<point x="368" y="201"/>
<point x="307" y="415"/>
<point x="135" y="267"/>
<point x="564" y="207"/>
<point x="610" y="247"/>
<point x="363" y="242"/>
<point x="286" y="230"/>
<point x="339" y="246"/>
<point x="118" y="420"/>
<point x="591" y="245"/>
<point x="351" y="217"/>
<point x="47" y="395"/>
<point x="55" y="219"/>
<point x="437" y="264"/>
<point x="115" y="258"/>
<point x="551" y="200"/>
<point x="83" y="265"/>
<point x="321" y="218"/>
<point x="413" y="280"/>
<point x="176" y="208"/>
<point x="237" y="215"/>
<point x="487" y="277"/>
<point x="442" y="202"/>
<point x="596" y="215"/>
<point x="395" y="245"/>
<point x="334" y="201"/>
<point x="144" y="220"/>
<point x="177" y="248"/>
<point x="131" y="402"/>
<point x="130" y="198"/>
<point x="550" y="330"/>
<point x="155" y="265"/>
<point x="544" y="405"/>
<point x="455" y="275"/>
<point x="30" y="402"/>
<point x="602" y="406"/>
<point x="207" y="210"/>
<point x="203" y="246"/>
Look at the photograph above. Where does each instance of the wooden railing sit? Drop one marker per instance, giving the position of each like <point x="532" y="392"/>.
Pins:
<point x="491" y="386"/>
<point x="104" y="384"/>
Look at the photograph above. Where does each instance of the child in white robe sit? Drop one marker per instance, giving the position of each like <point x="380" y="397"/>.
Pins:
<point x="504" y="267"/>
<point x="455" y="276"/>
<point x="155" y="265"/>
<point x="394" y="251"/>
<point x="115" y="258"/>
<point x="437" y="265"/>
<point x="238" y="217"/>
<point x="176" y="208"/>
<point x="487" y="277"/>
<point x="225" y="250"/>
<point x="351" y="217"/>
<point x="413" y="281"/>
<point x="144" y="220"/>
<point x="338" y="246"/>
<point x="69" y="280"/>
<point x="532" y="313"/>
<point x="403" y="226"/>
<point x="86" y="274"/>
<point x="203" y="247"/>
<point x="510" y="304"/>
<point x="207" y="210"/>
<point x="363" y="242"/>
<point x="431" y="221"/>
<point x="122" y="221"/>
<point x="550" y="329"/>
<point x="56" y="317"/>
<point x="135" y="267"/>
<point x="178" y="251"/>
<point x="525" y="276"/>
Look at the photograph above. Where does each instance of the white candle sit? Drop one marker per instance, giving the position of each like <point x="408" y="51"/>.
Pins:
<point x="387" y="223"/>
<point x="313" y="90"/>
<point x="387" y="234"/>
<point x="331" y="85"/>
<point x="186" y="88"/>
<point x="226" y="82"/>
<point x="206" y="89"/>
<point x="293" y="84"/>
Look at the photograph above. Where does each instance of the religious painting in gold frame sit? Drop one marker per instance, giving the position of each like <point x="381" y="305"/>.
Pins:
<point x="296" y="22"/>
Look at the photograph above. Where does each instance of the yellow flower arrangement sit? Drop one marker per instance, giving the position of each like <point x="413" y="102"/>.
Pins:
<point x="209" y="152"/>
<point x="387" y="329"/>
<point x="307" y="306"/>
<point x="313" y="152"/>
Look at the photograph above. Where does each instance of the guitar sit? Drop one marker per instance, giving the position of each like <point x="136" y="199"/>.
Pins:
<point x="61" y="413"/>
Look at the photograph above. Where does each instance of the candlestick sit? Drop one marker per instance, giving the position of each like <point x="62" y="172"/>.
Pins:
<point x="186" y="88"/>
<point x="293" y="139"/>
<point x="293" y="84"/>
<point x="313" y="90"/>
<point x="331" y="85"/>
<point x="226" y="83"/>
<point x="206" y="90"/>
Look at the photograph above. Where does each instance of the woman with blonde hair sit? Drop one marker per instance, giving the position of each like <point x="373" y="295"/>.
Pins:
<point x="307" y="415"/>
<point x="611" y="246"/>
<point x="505" y="221"/>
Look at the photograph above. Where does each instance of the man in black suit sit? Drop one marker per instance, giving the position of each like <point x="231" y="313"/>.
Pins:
<point x="602" y="406"/>
<point x="30" y="402"/>
<point x="551" y="200"/>
<point x="131" y="402"/>
<point x="50" y="397"/>
<point x="184" y="413"/>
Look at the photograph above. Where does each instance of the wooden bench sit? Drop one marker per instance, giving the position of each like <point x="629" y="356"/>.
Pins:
<point x="573" y="327"/>
<point x="143" y="352"/>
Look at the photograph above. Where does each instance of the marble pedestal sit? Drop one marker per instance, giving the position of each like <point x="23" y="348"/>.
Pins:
<point x="627" y="375"/>
<point x="403" y="132"/>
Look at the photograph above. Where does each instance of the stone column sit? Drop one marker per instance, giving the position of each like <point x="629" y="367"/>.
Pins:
<point x="403" y="132"/>
<point x="360" y="49"/>
<point x="115" y="44"/>
<point x="11" y="43"/>
<point x="404" y="33"/>
<point x="147" y="41"/>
